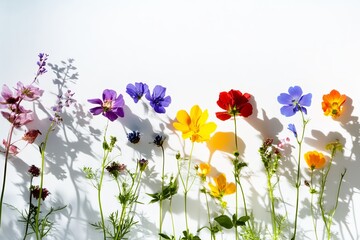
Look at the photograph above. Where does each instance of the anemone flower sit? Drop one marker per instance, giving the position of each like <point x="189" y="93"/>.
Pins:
<point x="111" y="106"/>
<point x="157" y="99"/>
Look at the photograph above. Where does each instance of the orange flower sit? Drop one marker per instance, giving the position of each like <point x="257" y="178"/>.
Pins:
<point x="333" y="103"/>
<point x="315" y="159"/>
<point x="222" y="187"/>
<point x="203" y="169"/>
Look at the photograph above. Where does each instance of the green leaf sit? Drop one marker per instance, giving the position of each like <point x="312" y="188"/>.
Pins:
<point x="242" y="220"/>
<point x="224" y="221"/>
<point x="164" y="236"/>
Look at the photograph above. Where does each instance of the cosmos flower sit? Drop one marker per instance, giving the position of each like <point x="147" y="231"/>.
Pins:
<point x="194" y="126"/>
<point x="221" y="187"/>
<point x="111" y="106"/>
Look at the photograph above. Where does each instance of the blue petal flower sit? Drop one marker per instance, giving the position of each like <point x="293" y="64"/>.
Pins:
<point x="157" y="99"/>
<point x="137" y="91"/>
<point x="292" y="128"/>
<point x="294" y="101"/>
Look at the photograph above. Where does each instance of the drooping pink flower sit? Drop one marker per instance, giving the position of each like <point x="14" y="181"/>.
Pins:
<point x="8" y="97"/>
<point x="13" y="150"/>
<point x="19" y="117"/>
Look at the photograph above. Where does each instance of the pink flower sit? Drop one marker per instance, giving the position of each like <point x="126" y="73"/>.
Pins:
<point x="29" y="92"/>
<point x="19" y="116"/>
<point x="13" y="150"/>
<point x="7" y="96"/>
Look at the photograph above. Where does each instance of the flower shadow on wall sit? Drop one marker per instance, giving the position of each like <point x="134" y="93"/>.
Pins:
<point x="348" y="160"/>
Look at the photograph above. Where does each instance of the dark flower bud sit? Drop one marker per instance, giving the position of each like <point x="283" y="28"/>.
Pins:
<point x="143" y="164"/>
<point x="134" y="137"/>
<point x="35" y="192"/>
<point x="159" y="140"/>
<point x="116" y="168"/>
<point x="34" y="171"/>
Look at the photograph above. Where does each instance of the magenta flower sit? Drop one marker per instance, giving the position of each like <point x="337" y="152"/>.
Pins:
<point x="19" y="116"/>
<point x="13" y="150"/>
<point x="157" y="99"/>
<point x="111" y="106"/>
<point x="29" y="92"/>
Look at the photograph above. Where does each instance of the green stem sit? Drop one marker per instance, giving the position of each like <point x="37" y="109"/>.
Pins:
<point x="172" y="217"/>
<point x="162" y="191"/>
<point x="29" y="211"/>
<point x="209" y="217"/>
<point x="312" y="204"/>
<point x="272" y="207"/>
<point x="297" y="184"/>
<point x="43" y="148"/>
<point x="187" y="188"/>
<point x="5" y="167"/>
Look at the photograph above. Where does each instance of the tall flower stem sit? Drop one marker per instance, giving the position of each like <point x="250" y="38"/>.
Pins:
<point x="237" y="170"/>
<point x="99" y="187"/>
<point x="272" y="208"/>
<point x="29" y="210"/>
<point x="213" y="237"/>
<point x="43" y="150"/>
<point x="5" y="167"/>
<point x="312" y="191"/>
<point x="187" y="187"/>
<point x="162" y="191"/>
<point x="298" y="181"/>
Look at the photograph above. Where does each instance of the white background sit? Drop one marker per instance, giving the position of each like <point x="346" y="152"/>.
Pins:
<point x="195" y="49"/>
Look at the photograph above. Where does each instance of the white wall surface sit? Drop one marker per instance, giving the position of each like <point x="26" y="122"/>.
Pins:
<point x="195" y="49"/>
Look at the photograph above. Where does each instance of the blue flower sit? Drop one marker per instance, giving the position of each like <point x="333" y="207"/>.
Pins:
<point x="157" y="99"/>
<point x="137" y="91"/>
<point x="292" y="128"/>
<point x="294" y="101"/>
<point x="134" y="137"/>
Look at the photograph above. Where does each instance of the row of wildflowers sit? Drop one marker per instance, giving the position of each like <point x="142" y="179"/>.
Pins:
<point x="194" y="126"/>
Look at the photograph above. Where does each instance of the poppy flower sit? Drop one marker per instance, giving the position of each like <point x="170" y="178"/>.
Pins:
<point x="294" y="101"/>
<point x="194" y="126"/>
<point x="332" y="104"/>
<point x="111" y="106"/>
<point x="221" y="187"/>
<point x="315" y="160"/>
<point x="235" y="104"/>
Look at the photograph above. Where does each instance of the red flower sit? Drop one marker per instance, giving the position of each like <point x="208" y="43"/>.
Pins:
<point x="235" y="104"/>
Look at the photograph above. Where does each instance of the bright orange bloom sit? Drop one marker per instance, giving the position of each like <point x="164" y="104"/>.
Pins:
<point x="203" y="169"/>
<point x="332" y="104"/>
<point x="194" y="126"/>
<point x="222" y="187"/>
<point x="315" y="160"/>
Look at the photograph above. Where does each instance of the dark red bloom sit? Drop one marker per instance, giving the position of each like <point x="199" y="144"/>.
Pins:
<point x="31" y="135"/>
<point x="235" y="104"/>
<point x="35" y="191"/>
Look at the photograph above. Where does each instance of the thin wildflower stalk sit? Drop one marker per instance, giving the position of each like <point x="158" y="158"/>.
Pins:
<point x="334" y="147"/>
<point x="213" y="237"/>
<point x="312" y="192"/>
<point x="30" y="209"/>
<point x="162" y="191"/>
<point x="298" y="180"/>
<point x="99" y="186"/>
<point x="43" y="145"/>
<point x="7" y="152"/>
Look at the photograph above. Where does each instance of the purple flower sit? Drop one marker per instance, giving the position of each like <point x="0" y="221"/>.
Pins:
<point x="292" y="128"/>
<point x="294" y="101"/>
<point x="111" y="106"/>
<point x="28" y="93"/>
<point x="158" y="101"/>
<point x="137" y="91"/>
<point x="42" y="63"/>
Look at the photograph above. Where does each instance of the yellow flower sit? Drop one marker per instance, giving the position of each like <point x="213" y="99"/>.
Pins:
<point x="315" y="160"/>
<point x="203" y="169"/>
<point x="222" y="187"/>
<point x="332" y="104"/>
<point x="194" y="126"/>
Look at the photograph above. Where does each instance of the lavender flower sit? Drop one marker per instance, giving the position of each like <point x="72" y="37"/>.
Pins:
<point x="157" y="99"/>
<point x="137" y="91"/>
<point x="42" y="63"/>
<point x="294" y="101"/>
<point x="111" y="106"/>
